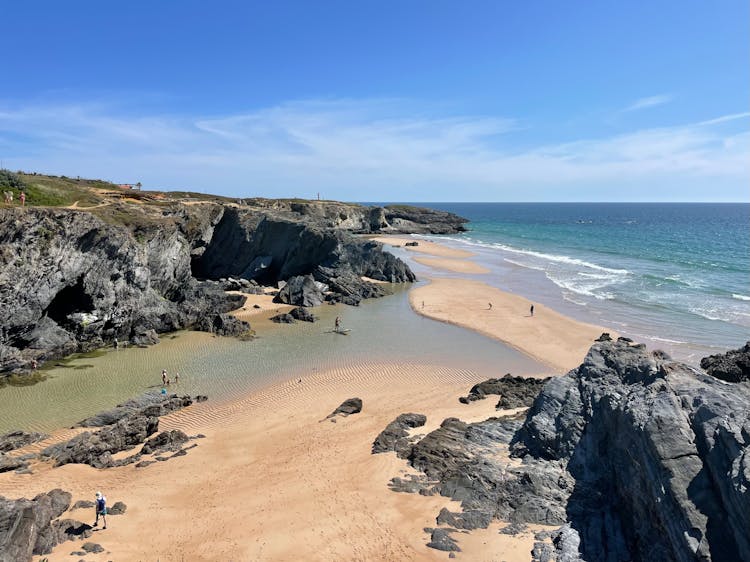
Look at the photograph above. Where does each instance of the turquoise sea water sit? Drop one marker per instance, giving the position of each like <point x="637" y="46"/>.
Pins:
<point x="675" y="276"/>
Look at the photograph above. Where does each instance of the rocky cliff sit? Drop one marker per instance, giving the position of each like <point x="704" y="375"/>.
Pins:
<point x="76" y="279"/>
<point x="643" y="458"/>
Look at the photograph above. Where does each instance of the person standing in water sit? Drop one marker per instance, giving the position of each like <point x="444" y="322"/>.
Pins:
<point x="337" y="324"/>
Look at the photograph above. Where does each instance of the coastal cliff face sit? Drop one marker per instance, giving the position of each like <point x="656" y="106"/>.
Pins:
<point x="74" y="280"/>
<point x="638" y="456"/>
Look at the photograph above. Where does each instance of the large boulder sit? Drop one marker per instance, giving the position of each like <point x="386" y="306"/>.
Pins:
<point x="301" y="290"/>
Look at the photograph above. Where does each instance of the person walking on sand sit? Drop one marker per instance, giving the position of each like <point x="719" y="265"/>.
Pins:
<point x="101" y="509"/>
<point x="531" y="310"/>
<point x="163" y="376"/>
<point x="176" y="378"/>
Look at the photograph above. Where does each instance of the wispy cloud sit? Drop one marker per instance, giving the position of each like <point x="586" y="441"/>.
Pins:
<point x="651" y="101"/>
<point x="373" y="149"/>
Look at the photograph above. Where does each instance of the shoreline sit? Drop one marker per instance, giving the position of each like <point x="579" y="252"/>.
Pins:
<point x="271" y="468"/>
<point x="552" y="338"/>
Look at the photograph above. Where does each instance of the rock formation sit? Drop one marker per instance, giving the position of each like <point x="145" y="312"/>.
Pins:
<point x="395" y="436"/>
<point x="348" y="407"/>
<point x="515" y="392"/>
<point x="73" y="280"/>
<point x="645" y="459"/>
<point x="732" y="366"/>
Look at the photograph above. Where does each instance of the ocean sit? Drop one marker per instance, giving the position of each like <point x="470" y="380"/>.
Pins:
<point x="675" y="276"/>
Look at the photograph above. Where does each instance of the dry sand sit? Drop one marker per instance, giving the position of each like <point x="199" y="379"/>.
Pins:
<point x="271" y="481"/>
<point x="548" y="336"/>
<point x="455" y="265"/>
<point x="425" y="247"/>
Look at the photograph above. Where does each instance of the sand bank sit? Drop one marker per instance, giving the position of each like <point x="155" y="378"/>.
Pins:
<point x="271" y="481"/>
<point x="455" y="265"/>
<point x="425" y="247"/>
<point x="548" y="336"/>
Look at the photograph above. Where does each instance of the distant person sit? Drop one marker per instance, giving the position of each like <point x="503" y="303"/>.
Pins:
<point x="422" y="304"/>
<point x="531" y="310"/>
<point x="163" y="391"/>
<point x="176" y="378"/>
<point x="489" y="306"/>
<point x="101" y="509"/>
<point x="23" y="199"/>
<point x="34" y="364"/>
<point x="163" y="376"/>
<point x="337" y="324"/>
<point x="116" y="343"/>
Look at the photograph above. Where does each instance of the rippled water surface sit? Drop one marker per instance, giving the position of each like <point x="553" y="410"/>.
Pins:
<point x="381" y="330"/>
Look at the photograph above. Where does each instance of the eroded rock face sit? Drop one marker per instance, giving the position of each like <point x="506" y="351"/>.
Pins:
<point x="659" y="453"/>
<point x="17" y="439"/>
<point x="645" y="459"/>
<point x="732" y="366"/>
<point x="26" y="526"/>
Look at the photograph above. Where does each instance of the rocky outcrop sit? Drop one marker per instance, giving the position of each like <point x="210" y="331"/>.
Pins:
<point x="17" y="439"/>
<point x="28" y="527"/>
<point x="166" y="441"/>
<point x="301" y="291"/>
<point x="645" y="458"/>
<point x="303" y="315"/>
<point x="74" y="280"/>
<point x="223" y="325"/>
<point x="395" y="437"/>
<point x="515" y="392"/>
<point x="732" y="366"/>
<point x="150" y="404"/>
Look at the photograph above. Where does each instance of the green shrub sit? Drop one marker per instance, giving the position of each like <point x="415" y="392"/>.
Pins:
<point x="10" y="180"/>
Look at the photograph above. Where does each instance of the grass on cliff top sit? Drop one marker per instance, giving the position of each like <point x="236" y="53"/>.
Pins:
<point x="53" y="191"/>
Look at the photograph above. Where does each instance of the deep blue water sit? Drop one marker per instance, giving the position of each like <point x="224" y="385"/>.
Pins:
<point x="676" y="274"/>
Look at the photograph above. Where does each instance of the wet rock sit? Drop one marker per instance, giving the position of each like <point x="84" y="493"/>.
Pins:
<point x="347" y="407"/>
<point x="223" y="325"/>
<point x="303" y="315"/>
<point x="395" y="436"/>
<point x="17" y="439"/>
<point x="732" y="366"/>
<point x="284" y="318"/>
<point x="151" y="403"/>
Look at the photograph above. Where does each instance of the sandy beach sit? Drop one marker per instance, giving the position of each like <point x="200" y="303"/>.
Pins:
<point x="271" y="481"/>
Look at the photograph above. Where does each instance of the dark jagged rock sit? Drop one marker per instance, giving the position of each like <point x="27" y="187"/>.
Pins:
<point x="223" y="325"/>
<point x="472" y="519"/>
<point x="144" y="338"/>
<point x="8" y="463"/>
<point x="151" y="403"/>
<point x="301" y="291"/>
<point x="406" y="219"/>
<point x="414" y="243"/>
<point x="26" y="526"/>
<point x="96" y="449"/>
<point x="658" y="451"/>
<point x="171" y="440"/>
<point x="17" y="439"/>
<point x="412" y="484"/>
<point x="345" y="283"/>
<point x="303" y="315"/>
<point x="348" y="407"/>
<point x="395" y="436"/>
<point x="516" y="392"/>
<point x="732" y="366"/>
<point x="440" y="539"/>
<point x="283" y="318"/>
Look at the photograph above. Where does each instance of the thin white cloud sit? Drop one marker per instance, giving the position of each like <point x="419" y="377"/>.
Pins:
<point x="370" y="150"/>
<point x="650" y="101"/>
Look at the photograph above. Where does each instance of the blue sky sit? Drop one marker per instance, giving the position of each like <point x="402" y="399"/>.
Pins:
<point x="363" y="101"/>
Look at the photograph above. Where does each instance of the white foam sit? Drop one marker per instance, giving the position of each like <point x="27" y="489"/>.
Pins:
<point x="740" y="297"/>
